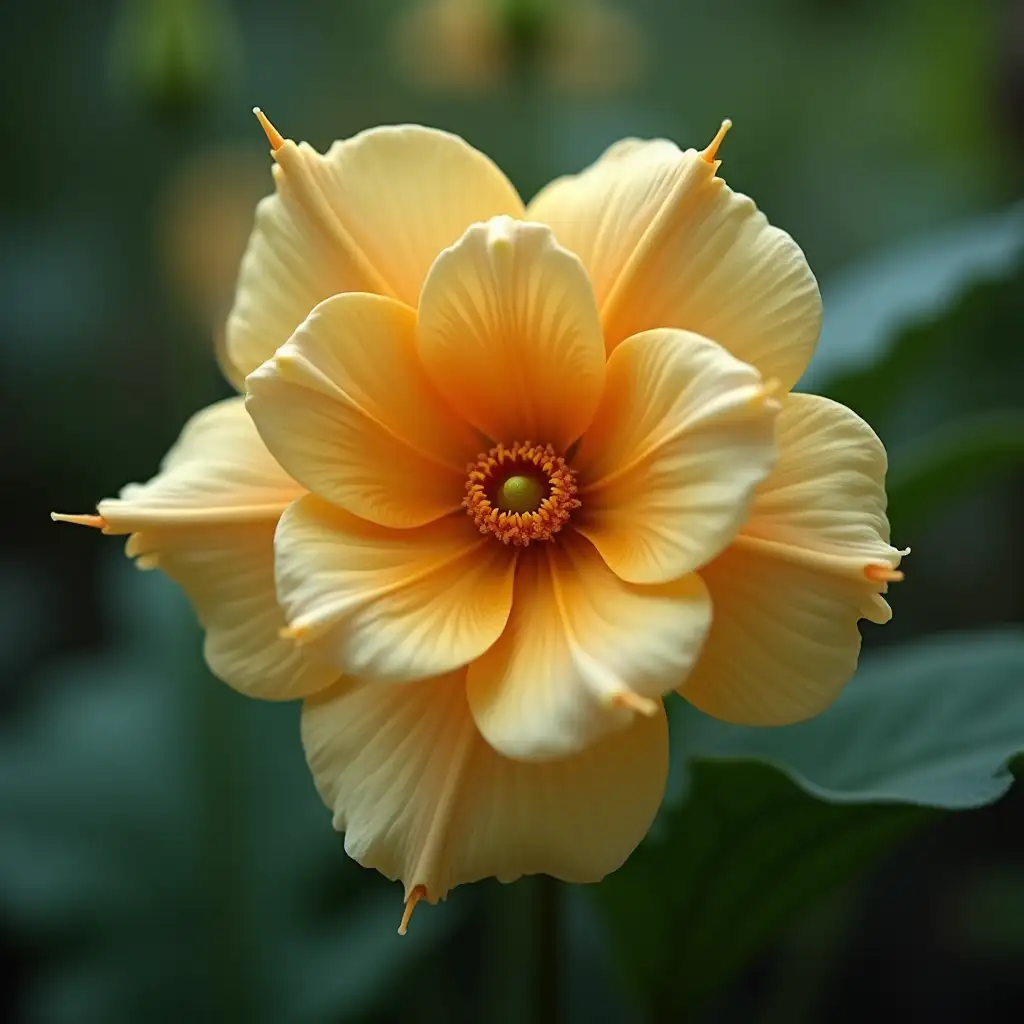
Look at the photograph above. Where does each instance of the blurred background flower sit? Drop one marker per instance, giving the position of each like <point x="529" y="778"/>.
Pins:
<point x="587" y="47"/>
<point x="162" y="852"/>
<point x="203" y="217"/>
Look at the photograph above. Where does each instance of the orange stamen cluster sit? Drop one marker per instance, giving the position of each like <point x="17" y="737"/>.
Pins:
<point x="493" y="468"/>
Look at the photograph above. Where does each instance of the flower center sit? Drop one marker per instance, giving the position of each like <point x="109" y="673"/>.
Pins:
<point x="520" y="492"/>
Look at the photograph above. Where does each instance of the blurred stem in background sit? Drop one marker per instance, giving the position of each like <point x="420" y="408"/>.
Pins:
<point x="222" y="867"/>
<point x="526" y="24"/>
<point x="546" y="950"/>
<point x="809" y="959"/>
<point x="173" y="56"/>
<point x="524" y="959"/>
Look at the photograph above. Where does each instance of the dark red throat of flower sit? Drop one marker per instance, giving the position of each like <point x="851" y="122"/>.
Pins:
<point x="520" y="492"/>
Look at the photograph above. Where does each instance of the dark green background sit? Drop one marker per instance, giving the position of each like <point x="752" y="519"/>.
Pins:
<point x="162" y="853"/>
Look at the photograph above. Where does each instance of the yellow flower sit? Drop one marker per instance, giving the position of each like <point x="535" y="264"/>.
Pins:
<point x="503" y="462"/>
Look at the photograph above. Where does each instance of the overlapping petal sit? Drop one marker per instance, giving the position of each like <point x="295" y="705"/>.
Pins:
<point x="423" y="798"/>
<point x="509" y="334"/>
<point x="387" y="604"/>
<point x="582" y="652"/>
<point x="789" y="592"/>
<point x="346" y="408"/>
<point x="228" y="573"/>
<point x="783" y="642"/>
<point x="207" y="519"/>
<point x="825" y="499"/>
<point x="218" y="471"/>
<point x="603" y="213"/>
<point x="683" y="435"/>
<point x="369" y="216"/>
<point x="669" y="244"/>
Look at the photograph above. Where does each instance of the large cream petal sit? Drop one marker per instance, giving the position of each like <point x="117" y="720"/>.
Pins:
<point x="227" y="570"/>
<point x="371" y="216"/>
<point x="509" y="333"/>
<point x="421" y="797"/>
<point x="218" y="471"/>
<point x="393" y="605"/>
<point x="812" y="560"/>
<point x="669" y="244"/>
<point x="347" y="409"/>
<point x="783" y="642"/>
<point x="667" y="470"/>
<point x="824" y="502"/>
<point x="603" y="213"/>
<point x="207" y="519"/>
<point x="583" y="652"/>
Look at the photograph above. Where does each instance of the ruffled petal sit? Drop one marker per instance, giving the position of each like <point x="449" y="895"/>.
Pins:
<point x="813" y="559"/>
<point x="228" y="573"/>
<point x="669" y="244"/>
<point x="207" y="519"/>
<point x="824" y="503"/>
<point x="218" y="471"/>
<point x="684" y="434"/>
<point x="602" y="213"/>
<point x="583" y="652"/>
<point x="509" y="334"/>
<point x="347" y="410"/>
<point x="369" y="216"/>
<point x="421" y="797"/>
<point x="389" y="604"/>
<point x="783" y="642"/>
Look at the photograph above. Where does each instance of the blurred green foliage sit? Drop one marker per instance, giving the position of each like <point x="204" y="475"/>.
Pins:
<point x="162" y="851"/>
<point x="769" y="819"/>
<point x="906" y="730"/>
<point x="164" y="828"/>
<point x="744" y="853"/>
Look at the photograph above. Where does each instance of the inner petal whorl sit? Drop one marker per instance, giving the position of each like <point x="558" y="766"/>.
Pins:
<point x="520" y="492"/>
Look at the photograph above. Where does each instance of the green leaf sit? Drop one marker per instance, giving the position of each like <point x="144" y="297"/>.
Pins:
<point x="948" y="462"/>
<point x="870" y="307"/>
<point x="934" y="723"/>
<point x="745" y="852"/>
<point x="763" y="821"/>
<point x="163" y="832"/>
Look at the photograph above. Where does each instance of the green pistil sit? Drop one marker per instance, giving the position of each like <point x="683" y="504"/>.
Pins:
<point x="520" y="494"/>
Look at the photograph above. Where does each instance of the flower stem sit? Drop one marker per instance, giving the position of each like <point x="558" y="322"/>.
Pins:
<point x="546" y="950"/>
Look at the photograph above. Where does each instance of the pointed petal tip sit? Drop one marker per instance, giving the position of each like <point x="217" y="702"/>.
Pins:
<point x="303" y="632"/>
<point x="634" y="702"/>
<point x="274" y="137"/>
<point x="96" y="522"/>
<point x="768" y="395"/>
<point x="878" y="573"/>
<point x="712" y="149"/>
<point x="418" y="893"/>
<point x="883" y="572"/>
